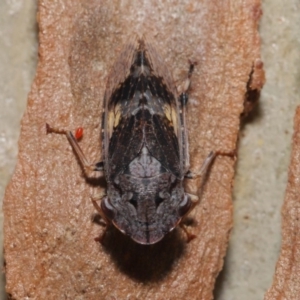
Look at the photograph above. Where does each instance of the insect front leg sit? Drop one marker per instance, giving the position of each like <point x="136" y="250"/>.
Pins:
<point x="95" y="199"/>
<point x="88" y="167"/>
<point x="100" y="197"/>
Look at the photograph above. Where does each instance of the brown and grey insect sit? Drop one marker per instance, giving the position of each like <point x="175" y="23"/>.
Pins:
<point x="145" y="146"/>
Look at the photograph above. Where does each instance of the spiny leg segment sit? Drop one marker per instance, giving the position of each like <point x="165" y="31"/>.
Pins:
<point x="88" y="167"/>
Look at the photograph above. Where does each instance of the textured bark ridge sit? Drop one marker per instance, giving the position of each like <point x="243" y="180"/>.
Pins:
<point x="50" y="222"/>
<point x="286" y="283"/>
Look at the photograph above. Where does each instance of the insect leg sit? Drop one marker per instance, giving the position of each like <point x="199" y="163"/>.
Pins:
<point x="184" y="88"/>
<point x="94" y="199"/>
<point x="189" y="236"/>
<point x="88" y="167"/>
<point x="195" y="199"/>
<point x="183" y="99"/>
<point x="99" y="197"/>
<point x="205" y="165"/>
<point x="191" y="175"/>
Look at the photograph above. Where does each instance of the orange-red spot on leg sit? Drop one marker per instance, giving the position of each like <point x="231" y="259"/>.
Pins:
<point x="79" y="133"/>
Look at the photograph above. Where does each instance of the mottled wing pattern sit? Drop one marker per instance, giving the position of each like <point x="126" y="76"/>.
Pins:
<point x="141" y="110"/>
<point x="117" y="77"/>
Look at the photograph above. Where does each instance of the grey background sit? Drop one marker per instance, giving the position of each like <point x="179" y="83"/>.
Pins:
<point x="264" y="149"/>
<point x="18" y="60"/>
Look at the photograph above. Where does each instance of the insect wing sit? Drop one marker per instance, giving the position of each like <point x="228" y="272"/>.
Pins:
<point x="141" y="107"/>
<point x="143" y="145"/>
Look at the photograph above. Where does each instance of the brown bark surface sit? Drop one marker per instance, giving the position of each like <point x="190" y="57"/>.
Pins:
<point x="286" y="282"/>
<point x="50" y="222"/>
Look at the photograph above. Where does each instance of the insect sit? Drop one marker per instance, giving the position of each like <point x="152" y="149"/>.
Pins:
<point x="145" y="146"/>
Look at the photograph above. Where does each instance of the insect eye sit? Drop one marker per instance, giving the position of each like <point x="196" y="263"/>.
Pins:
<point x="184" y="205"/>
<point x="107" y="208"/>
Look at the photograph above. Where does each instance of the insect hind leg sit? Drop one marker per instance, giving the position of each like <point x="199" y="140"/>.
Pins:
<point x="207" y="163"/>
<point x="95" y="199"/>
<point x="88" y="167"/>
<point x="205" y="166"/>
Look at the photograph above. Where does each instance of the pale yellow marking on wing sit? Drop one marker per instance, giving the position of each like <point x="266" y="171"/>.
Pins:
<point x="172" y="116"/>
<point x="113" y="120"/>
<point x="117" y="117"/>
<point x="175" y="120"/>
